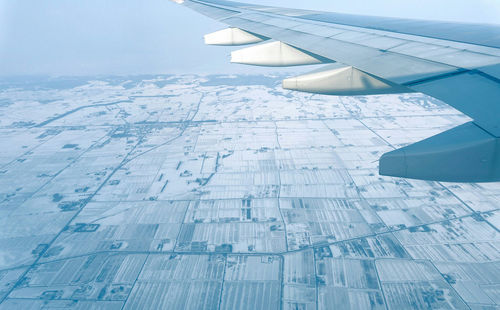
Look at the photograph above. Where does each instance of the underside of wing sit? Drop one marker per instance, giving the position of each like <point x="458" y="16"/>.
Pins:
<point x="456" y="63"/>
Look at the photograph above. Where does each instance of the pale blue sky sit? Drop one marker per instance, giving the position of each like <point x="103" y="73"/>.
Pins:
<point x="73" y="37"/>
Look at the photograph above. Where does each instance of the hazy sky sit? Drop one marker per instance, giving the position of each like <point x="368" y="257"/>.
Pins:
<point x="68" y="37"/>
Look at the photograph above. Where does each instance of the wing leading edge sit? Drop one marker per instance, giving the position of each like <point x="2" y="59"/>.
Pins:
<point x="456" y="63"/>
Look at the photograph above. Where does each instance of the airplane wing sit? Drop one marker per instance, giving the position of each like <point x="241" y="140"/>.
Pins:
<point x="454" y="62"/>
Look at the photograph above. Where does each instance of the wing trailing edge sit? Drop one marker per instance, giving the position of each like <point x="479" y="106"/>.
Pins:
<point x="463" y="154"/>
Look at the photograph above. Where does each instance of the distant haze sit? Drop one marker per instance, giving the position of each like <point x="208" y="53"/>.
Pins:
<point x="125" y="37"/>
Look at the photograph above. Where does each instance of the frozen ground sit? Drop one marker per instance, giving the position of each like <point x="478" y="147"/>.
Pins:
<point x="224" y="192"/>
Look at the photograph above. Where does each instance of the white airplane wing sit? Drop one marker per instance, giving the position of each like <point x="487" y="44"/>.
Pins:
<point x="454" y="62"/>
